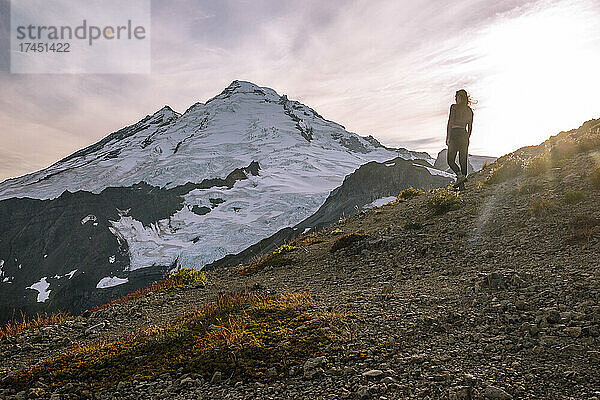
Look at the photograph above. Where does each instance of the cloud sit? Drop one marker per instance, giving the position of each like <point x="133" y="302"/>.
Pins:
<point x="389" y="69"/>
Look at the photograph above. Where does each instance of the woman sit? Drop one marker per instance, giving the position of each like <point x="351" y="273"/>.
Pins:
<point x="458" y="132"/>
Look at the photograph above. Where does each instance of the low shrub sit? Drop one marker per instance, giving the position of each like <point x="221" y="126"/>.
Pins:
<point x="276" y="258"/>
<point x="573" y="196"/>
<point x="186" y="276"/>
<point x="243" y="335"/>
<point x="444" y="200"/>
<point x="409" y="193"/>
<point x="179" y="278"/>
<point x="541" y="206"/>
<point x="563" y="150"/>
<point x="529" y="188"/>
<point x="583" y="227"/>
<point x="307" y="240"/>
<point x="537" y="165"/>
<point x="347" y="240"/>
<point x="595" y="178"/>
<point x="503" y="172"/>
<point x="284" y="249"/>
<point x="470" y="211"/>
<point x="589" y="142"/>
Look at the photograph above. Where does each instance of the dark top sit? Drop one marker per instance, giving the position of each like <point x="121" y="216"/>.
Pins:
<point x="461" y="116"/>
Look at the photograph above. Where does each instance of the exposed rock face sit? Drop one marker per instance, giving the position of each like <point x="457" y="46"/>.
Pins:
<point x="368" y="183"/>
<point x="65" y="254"/>
<point x="172" y="189"/>
<point x="487" y="301"/>
<point x="475" y="163"/>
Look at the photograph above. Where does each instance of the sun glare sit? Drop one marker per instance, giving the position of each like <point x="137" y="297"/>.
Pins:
<point x="543" y="76"/>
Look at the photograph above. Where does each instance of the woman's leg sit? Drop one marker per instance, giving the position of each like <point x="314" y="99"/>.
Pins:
<point x="452" y="150"/>
<point x="463" y="154"/>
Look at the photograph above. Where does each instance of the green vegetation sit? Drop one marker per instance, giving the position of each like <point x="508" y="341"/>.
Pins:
<point x="444" y="200"/>
<point x="529" y="188"/>
<point x="540" y="206"/>
<point x="503" y="172"/>
<point x="241" y="335"/>
<point x="408" y="194"/>
<point x="470" y="210"/>
<point x="284" y="249"/>
<point x="595" y="177"/>
<point x="186" y="276"/>
<point x="583" y="227"/>
<point x="276" y="258"/>
<point x="347" y="240"/>
<point x="563" y="150"/>
<point x="307" y="240"/>
<point x="16" y="327"/>
<point x="573" y="196"/>
<point x="180" y="278"/>
<point x="537" y="165"/>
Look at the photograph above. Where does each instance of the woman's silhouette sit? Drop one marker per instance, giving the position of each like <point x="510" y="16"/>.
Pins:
<point x="458" y="132"/>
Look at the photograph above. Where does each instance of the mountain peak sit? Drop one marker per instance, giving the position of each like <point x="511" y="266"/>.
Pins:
<point x="165" y="114"/>
<point x="166" y="110"/>
<point x="245" y="85"/>
<point x="244" y="123"/>
<point x="238" y="87"/>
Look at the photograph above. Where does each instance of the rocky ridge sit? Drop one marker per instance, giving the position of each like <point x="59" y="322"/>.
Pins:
<point x="494" y="299"/>
<point x="171" y="190"/>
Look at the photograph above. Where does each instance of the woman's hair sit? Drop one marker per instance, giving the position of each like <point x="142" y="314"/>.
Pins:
<point x="463" y="92"/>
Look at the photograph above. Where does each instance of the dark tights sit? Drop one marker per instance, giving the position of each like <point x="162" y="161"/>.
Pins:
<point x="458" y="142"/>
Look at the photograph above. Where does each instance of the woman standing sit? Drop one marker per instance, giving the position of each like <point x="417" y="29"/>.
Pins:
<point x="458" y="132"/>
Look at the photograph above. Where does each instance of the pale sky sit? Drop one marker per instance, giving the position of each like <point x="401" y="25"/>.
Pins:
<point x="388" y="68"/>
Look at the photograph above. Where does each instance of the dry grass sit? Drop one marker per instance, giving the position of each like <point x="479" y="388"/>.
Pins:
<point x="15" y="327"/>
<point x="529" y="188"/>
<point x="537" y="165"/>
<point x="413" y="226"/>
<point x="307" y="240"/>
<point x="503" y="172"/>
<point x="180" y="278"/>
<point x="583" y="228"/>
<point x="277" y="257"/>
<point x="242" y="335"/>
<point x="540" y="206"/>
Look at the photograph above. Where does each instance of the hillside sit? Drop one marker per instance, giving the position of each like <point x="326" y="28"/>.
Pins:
<point x="490" y="294"/>
<point x="173" y="190"/>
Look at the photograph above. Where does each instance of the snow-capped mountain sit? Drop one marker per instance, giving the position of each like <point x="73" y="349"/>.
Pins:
<point x="174" y="189"/>
<point x="242" y="124"/>
<point x="373" y="184"/>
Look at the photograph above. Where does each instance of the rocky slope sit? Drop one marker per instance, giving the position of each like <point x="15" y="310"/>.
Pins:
<point x="81" y="260"/>
<point x="491" y="295"/>
<point x="171" y="190"/>
<point x="370" y="185"/>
